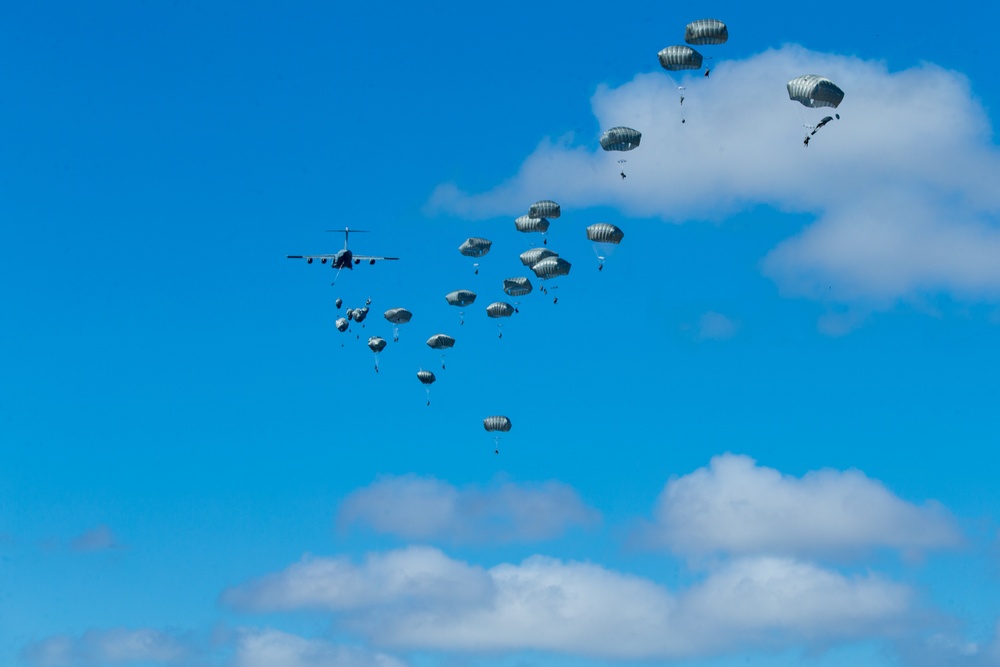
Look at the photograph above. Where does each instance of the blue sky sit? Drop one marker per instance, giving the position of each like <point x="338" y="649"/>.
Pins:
<point x="764" y="433"/>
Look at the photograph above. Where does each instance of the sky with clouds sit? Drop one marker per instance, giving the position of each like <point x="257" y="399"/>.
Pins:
<point x="764" y="432"/>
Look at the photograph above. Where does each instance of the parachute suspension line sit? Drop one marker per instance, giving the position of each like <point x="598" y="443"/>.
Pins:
<point x="395" y="333"/>
<point x="476" y="267"/>
<point x="496" y="443"/>
<point x="335" y="277"/>
<point x="376" y="362"/>
<point x="428" y="389"/>
<point x="442" y="361"/>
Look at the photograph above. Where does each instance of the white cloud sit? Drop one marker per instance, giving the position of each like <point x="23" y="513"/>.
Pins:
<point x="737" y="507"/>
<point x="903" y="186"/>
<point x="117" y="646"/>
<point x="944" y="649"/>
<point x="271" y="648"/>
<point x="421" y="575"/>
<point x="425" y="508"/>
<point x="585" y="609"/>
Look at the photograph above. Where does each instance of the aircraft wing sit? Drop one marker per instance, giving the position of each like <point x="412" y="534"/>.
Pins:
<point x="369" y="257"/>
<point x="311" y="257"/>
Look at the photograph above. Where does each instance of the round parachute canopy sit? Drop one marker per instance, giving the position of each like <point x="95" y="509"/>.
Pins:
<point x="475" y="247"/>
<point x="551" y="267"/>
<point x="544" y="209"/>
<point x="675" y="58"/>
<point x="620" y="139"/>
<point x="604" y="232"/>
<point x="516" y="286"/>
<point x="497" y="423"/>
<point x="460" y="297"/>
<point x="440" y="341"/>
<point x="426" y="377"/>
<point x="815" y="91"/>
<point x="339" y="302"/>
<point x="499" y="309"/>
<point x="376" y="344"/>
<point x="360" y="314"/>
<point x="350" y="314"/>
<point x="706" y="31"/>
<point x="528" y="224"/>
<point x="535" y="255"/>
<point x="398" y="315"/>
<point x="341" y="324"/>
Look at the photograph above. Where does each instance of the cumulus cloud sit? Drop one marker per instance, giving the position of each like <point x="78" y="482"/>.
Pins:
<point x="583" y="608"/>
<point x="424" y="508"/>
<point x="902" y="187"/>
<point x="419" y="574"/>
<point x="117" y="646"/>
<point x="268" y="648"/>
<point x="737" y="507"/>
<point x="97" y="539"/>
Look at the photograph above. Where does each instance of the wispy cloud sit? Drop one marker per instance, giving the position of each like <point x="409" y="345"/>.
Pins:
<point x="735" y="506"/>
<point x="902" y="187"/>
<point x="271" y="648"/>
<point x="117" y="646"/>
<point x="424" y="508"/>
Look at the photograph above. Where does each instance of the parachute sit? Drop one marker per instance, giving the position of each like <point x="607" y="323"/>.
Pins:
<point x="605" y="237"/>
<point x="341" y="324"/>
<point x="339" y="302"/>
<point x="535" y="255"/>
<point x="499" y="309"/>
<point x="397" y="316"/>
<point x="516" y="286"/>
<point x="496" y="425"/>
<point x="426" y="378"/>
<point x="460" y="298"/>
<point x="441" y="342"/>
<point x="620" y="139"/>
<point x="815" y="91"/>
<point x="360" y="314"/>
<point x="545" y="208"/>
<point x="706" y="31"/>
<point x="475" y="247"/>
<point x="528" y="224"/>
<point x="676" y="58"/>
<point x="551" y="267"/>
<point x="604" y="232"/>
<point x="376" y="344"/>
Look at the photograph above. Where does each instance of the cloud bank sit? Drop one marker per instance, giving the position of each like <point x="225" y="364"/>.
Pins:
<point x="423" y="508"/>
<point x="418" y="598"/>
<point x="902" y="187"/>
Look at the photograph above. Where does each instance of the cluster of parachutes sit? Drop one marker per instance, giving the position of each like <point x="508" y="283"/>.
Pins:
<point x="810" y="91"/>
